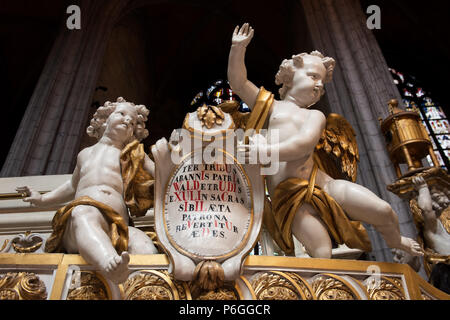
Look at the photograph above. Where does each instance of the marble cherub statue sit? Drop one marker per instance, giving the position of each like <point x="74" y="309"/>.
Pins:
<point x="432" y="204"/>
<point x="111" y="177"/>
<point x="306" y="201"/>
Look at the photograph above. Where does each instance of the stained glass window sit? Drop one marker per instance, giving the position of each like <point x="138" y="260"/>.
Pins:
<point x="216" y="94"/>
<point x="416" y="97"/>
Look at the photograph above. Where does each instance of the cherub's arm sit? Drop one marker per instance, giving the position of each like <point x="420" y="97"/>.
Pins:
<point x="237" y="72"/>
<point x="149" y="165"/>
<point x="425" y="203"/>
<point x="62" y="194"/>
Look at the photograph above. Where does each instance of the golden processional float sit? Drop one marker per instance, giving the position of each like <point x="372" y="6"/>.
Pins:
<point x="28" y="273"/>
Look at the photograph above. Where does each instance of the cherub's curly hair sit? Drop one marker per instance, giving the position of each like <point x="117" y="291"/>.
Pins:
<point x="286" y="72"/>
<point x="98" y="121"/>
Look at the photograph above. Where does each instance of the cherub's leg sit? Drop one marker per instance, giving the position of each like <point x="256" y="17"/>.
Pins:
<point x="139" y="242"/>
<point x="363" y="205"/>
<point x="309" y="229"/>
<point x="89" y="233"/>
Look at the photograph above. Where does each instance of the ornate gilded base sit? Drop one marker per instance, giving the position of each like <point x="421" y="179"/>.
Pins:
<point x="68" y="277"/>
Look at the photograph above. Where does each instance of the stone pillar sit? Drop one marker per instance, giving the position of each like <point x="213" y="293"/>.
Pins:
<point x="360" y="91"/>
<point x="48" y="137"/>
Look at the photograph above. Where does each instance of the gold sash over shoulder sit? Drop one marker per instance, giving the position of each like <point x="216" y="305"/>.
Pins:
<point x="138" y="196"/>
<point x="260" y="110"/>
<point x="292" y="193"/>
<point x="138" y="184"/>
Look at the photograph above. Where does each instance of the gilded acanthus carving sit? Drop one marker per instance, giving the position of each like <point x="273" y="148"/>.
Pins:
<point x="184" y="292"/>
<point x="303" y="284"/>
<point x="331" y="287"/>
<point x="224" y="293"/>
<point x="210" y="116"/>
<point x="275" y="286"/>
<point x="150" y="285"/>
<point x="386" y="289"/>
<point x="86" y="285"/>
<point x="22" y="286"/>
<point x="160" y="285"/>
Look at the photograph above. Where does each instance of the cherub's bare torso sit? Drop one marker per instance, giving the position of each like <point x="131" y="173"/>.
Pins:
<point x="100" y="176"/>
<point x="289" y="119"/>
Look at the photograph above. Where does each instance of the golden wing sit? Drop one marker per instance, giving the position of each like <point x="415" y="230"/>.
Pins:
<point x="239" y="118"/>
<point x="337" y="151"/>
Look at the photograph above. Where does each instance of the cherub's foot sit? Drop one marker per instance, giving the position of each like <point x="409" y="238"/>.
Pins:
<point x="411" y="246"/>
<point x="117" y="268"/>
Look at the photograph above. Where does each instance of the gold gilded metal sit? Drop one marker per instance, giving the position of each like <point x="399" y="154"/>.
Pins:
<point x="305" y="287"/>
<point x="184" y="292"/>
<point x="88" y="285"/>
<point x="414" y="286"/>
<point x="337" y="150"/>
<point x="27" y="243"/>
<point x="260" y="112"/>
<point x="425" y="296"/>
<point x="387" y="289"/>
<point x="232" y="108"/>
<point x="150" y="285"/>
<point x="16" y="195"/>
<point x="407" y="139"/>
<point x="209" y="116"/>
<point x="22" y="286"/>
<point x="5" y="243"/>
<point x="204" y="136"/>
<point x="404" y="187"/>
<point x="275" y="285"/>
<point x="227" y="292"/>
<point x="332" y="287"/>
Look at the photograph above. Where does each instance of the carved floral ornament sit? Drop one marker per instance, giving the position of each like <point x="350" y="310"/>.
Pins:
<point x="210" y="116"/>
<point x="22" y="286"/>
<point x="88" y="285"/>
<point x="160" y="285"/>
<point x="270" y="285"/>
<point x="23" y="243"/>
<point x="388" y="288"/>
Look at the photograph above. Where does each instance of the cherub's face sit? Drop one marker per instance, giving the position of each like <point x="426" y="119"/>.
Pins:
<point x="307" y="85"/>
<point x="440" y="199"/>
<point x="122" y="120"/>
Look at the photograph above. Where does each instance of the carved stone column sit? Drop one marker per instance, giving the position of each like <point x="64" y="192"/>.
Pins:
<point x="47" y="140"/>
<point x="360" y="90"/>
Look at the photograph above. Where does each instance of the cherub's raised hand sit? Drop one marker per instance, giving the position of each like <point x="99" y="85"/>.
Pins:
<point x="32" y="196"/>
<point x="242" y="36"/>
<point x="419" y="182"/>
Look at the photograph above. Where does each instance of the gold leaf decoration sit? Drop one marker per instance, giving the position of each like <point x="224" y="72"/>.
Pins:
<point x="386" y="289"/>
<point x="274" y="286"/>
<point x="22" y="286"/>
<point x="210" y="116"/>
<point x="304" y="285"/>
<point x="86" y="285"/>
<point x="150" y="285"/>
<point x="330" y="287"/>
<point x="224" y="293"/>
<point x="336" y="152"/>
